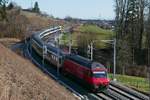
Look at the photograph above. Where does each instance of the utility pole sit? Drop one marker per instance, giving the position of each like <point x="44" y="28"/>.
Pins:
<point x="70" y="30"/>
<point x="70" y="43"/>
<point x="114" y="44"/>
<point x="91" y="47"/>
<point x="58" y="50"/>
<point x="44" y="53"/>
<point x="89" y="51"/>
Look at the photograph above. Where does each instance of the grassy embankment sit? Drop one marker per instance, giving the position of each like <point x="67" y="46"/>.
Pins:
<point x="138" y="83"/>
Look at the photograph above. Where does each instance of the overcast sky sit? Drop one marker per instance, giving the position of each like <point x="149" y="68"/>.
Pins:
<point x="86" y="9"/>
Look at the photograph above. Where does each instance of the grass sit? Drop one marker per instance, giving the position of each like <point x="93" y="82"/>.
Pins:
<point x="95" y="29"/>
<point x="134" y="82"/>
<point x="102" y="34"/>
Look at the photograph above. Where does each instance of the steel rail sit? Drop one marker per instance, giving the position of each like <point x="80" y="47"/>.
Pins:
<point x="125" y="94"/>
<point x="130" y="91"/>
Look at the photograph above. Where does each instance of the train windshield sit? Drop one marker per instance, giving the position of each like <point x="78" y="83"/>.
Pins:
<point x="100" y="74"/>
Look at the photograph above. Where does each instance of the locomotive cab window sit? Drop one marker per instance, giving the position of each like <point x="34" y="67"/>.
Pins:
<point x="101" y="74"/>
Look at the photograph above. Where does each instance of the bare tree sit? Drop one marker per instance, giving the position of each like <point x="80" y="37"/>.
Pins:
<point x="122" y="35"/>
<point x="85" y="39"/>
<point x="148" y="39"/>
<point x="3" y="9"/>
<point x="129" y="29"/>
<point x="15" y="26"/>
<point x="147" y="27"/>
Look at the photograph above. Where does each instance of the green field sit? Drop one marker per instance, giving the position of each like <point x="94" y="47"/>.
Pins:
<point x="100" y="34"/>
<point x="139" y="83"/>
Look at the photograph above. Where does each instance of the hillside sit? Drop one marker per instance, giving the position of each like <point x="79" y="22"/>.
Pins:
<point x="21" y="80"/>
<point x="101" y="34"/>
<point x="21" y="24"/>
<point x="41" y="21"/>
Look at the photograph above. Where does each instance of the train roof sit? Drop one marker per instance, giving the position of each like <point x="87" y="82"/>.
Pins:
<point x="55" y="50"/>
<point x="49" y="47"/>
<point x="85" y="62"/>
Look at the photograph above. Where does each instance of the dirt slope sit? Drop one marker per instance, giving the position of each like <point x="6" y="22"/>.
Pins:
<point x="21" y="80"/>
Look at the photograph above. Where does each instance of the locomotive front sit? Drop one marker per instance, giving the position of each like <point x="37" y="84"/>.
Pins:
<point x="99" y="77"/>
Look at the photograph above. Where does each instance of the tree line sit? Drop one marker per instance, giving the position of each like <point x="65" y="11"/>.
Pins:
<point x="12" y="23"/>
<point x="2" y="9"/>
<point x="132" y="31"/>
<point x="11" y="5"/>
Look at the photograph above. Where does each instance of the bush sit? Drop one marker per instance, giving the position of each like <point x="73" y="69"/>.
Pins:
<point x="15" y="26"/>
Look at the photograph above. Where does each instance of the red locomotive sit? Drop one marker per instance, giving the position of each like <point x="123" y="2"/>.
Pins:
<point x="91" y="73"/>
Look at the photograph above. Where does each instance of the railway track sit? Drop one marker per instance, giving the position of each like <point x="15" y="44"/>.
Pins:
<point x="128" y="92"/>
<point x="115" y="91"/>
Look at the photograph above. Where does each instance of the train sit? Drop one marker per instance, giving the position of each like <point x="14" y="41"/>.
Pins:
<point x="91" y="73"/>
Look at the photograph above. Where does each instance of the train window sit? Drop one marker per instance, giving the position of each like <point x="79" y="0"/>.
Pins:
<point x="37" y="47"/>
<point x="102" y="74"/>
<point x="54" y="57"/>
